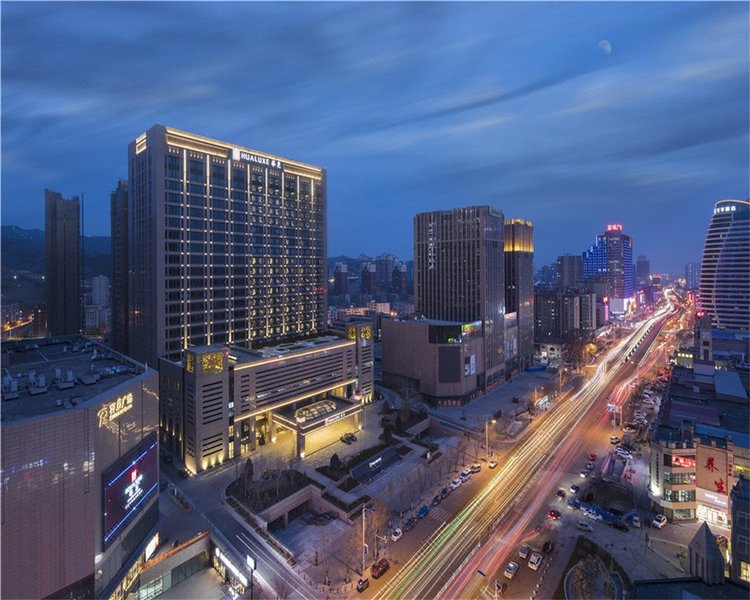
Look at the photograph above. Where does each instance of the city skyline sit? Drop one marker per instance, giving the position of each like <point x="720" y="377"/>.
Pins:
<point x="642" y="109"/>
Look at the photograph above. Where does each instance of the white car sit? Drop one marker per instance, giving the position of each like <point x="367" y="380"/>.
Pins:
<point x="535" y="561"/>
<point x="659" y="521"/>
<point x="464" y="475"/>
<point x="492" y="464"/>
<point x="475" y="468"/>
<point x="636" y="520"/>
<point x="614" y="440"/>
<point x="456" y="483"/>
<point x="524" y="551"/>
<point x="396" y="535"/>
<point x="511" y="570"/>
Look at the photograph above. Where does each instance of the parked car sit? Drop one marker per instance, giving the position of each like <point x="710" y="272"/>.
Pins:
<point x="560" y="495"/>
<point x="574" y="489"/>
<point x="363" y="584"/>
<point x="554" y="514"/>
<point x="592" y="457"/>
<point x="659" y="521"/>
<point x="465" y="475"/>
<point x="396" y="535"/>
<point x="437" y="500"/>
<point x="475" y="468"/>
<point x="548" y="547"/>
<point x="584" y="526"/>
<point x="574" y="504"/>
<point x="619" y="525"/>
<point x="614" y="440"/>
<point x="423" y="512"/>
<point x="346" y="439"/>
<point x="511" y="570"/>
<point x="445" y="492"/>
<point x="379" y="568"/>
<point x="524" y="551"/>
<point x="456" y="483"/>
<point x="535" y="561"/>
<point x="583" y="474"/>
<point x="589" y="465"/>
<point x="636" y="521"/>
<point x="409" y="523"/>
<point x="492" y="464"/>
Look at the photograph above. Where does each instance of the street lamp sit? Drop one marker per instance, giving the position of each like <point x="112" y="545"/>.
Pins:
<point x="487" y="435"/>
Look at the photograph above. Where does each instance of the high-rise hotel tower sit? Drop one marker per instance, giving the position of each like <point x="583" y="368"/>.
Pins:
<point x="225" y="245"/>
<point x="725" y="271"/>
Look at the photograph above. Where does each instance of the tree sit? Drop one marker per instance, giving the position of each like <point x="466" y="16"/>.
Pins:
<point x="247" y="475"/>
<point x="399" y="423"/>
<point x="335" y="466"/>
<point x="387" y="435"/>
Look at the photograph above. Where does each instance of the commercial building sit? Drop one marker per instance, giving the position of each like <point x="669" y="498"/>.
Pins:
<point x="692" y="276"/>
<point x="222" y="401"/>
<point x="80" y="465"/>
<point x="369" y="280"/>
<point x="226" y="245"/>
<point x="399" y="282"/>
<point x="120" y="274"/>
<point x="611" y="258"/>
<point x="519" y="290"/>
<point x="569" y="270"/>
<point x="740" y="545"/>
<point x="62" y="263"/>
<point x="725" y="269"/>
<point x="642" y="270"/>
<point x="100" y="290"/>
<point x="459" y="276"/>
<point x="442" y="361"/>
<point x="384" y="270"/>
<point x="340" y="279"/>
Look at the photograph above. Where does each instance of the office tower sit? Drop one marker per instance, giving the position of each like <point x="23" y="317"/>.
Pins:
<point x="459" y="275"/>
<point x="725" y="270"/>
<point x="384" y="268"/>
<point x="100" y="290"/>
<point x="692" y="276"/>
<point x="519" y="284"/>
<point x="80" y="464"/>
<point x="369" y="278"/>
<point x="63" y="263"/>
<point x="226" y="245"/>
<point x="569" y="270"/>
<point x="120" y="272"/>
<point x="340" y="274"/>
<point x="588" y="311"/>
<point x="546" y="275"/>
<point x="642" y="270"/>
<point x="611" y="258"/>
<point x="398" y="278"/>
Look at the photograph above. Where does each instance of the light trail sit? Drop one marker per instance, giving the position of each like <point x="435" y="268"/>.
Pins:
<point x="446" y="552"/>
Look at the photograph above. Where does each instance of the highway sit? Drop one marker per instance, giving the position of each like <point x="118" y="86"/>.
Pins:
<point x="446" y="564"/>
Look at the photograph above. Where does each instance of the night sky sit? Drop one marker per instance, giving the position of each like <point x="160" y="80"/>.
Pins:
<point x="571" y="115"/>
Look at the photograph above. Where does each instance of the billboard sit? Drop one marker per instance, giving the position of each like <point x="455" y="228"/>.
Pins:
<point x="128" y="485"/>
<point x="714" y="469"/>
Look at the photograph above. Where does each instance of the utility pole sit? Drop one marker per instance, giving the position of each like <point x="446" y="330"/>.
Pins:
<point x="364" y="545"/>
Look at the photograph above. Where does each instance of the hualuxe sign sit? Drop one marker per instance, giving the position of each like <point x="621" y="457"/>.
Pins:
<point x="265" y="161"/>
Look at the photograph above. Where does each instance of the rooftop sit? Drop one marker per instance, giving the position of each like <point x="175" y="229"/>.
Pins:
<point x="47" y="375"/>
<point x="239" y="355"/>
<point x="685" y="588"/>
<point x="729" y="385"/>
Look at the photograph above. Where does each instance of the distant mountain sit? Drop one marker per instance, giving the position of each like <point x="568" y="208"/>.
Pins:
<point x="23" y="250"/>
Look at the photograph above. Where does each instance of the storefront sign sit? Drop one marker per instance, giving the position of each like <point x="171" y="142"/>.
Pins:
<point x="228" y="564"/>
<point x="109" y="412"/>
<point x="152" y="546"/>
<point x="712" y="499"/>
<point x="334" y="418"/>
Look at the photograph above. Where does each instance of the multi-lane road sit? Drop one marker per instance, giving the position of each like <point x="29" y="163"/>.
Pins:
<point x="446" y="565"/>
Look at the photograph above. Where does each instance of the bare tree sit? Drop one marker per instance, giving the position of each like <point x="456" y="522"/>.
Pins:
<point x="247" y="476"/>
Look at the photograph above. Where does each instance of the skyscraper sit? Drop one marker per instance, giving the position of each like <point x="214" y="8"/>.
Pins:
<point x="692" y="276"/>
<point x="519" y="284"/>
<point x="569" y="270"/>
<point x="725" y="270"/>
<point x="100" y="290"/>
<point x="120" y="272"/>
<point x="384" y="268"/>
<point x="642" y="270"/>
<point x="226" y="245"/>
<point x="368" y="278"/>
<point x="398" y="278"/>
<point x="340" y="279"/>
<point x="63" y="263"/>
<point x="459" y="275"/>
<point x="612" y="258"/>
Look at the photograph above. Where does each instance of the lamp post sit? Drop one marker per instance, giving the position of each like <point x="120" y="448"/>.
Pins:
<point x="487" y="435"/>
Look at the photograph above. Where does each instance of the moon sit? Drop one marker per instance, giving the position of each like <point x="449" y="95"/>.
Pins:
<point x="605" y="46"/>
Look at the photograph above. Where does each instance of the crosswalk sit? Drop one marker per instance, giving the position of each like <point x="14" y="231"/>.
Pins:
<point x="439" y="514"/>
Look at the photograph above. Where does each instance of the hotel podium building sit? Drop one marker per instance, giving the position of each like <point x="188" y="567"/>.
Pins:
<point x="226" y="245"/>
<point x="80" y="469"/>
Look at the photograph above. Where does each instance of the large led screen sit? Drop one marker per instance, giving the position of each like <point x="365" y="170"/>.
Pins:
<point x="129" y="484"/>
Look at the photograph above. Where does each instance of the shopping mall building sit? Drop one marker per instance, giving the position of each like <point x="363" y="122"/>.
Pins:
<point x="80" y="469"/>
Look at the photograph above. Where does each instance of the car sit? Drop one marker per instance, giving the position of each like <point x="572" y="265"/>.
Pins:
<point x="511" y="569"/>
<point x="574" y="489"/>
<point x="592" y="457"/>
<point x="548" y="546"/>
<point x="465" y="475"/>
<point x="437" y="500"/>
<point x="345" y="438"/>
<point x="583" y="474"/>
<point x="379" y="568"/>
<point x="614" y="440"/>
<point x="456" y="483"/>
<point x="554" y="514"/>
<point x="574" y="504"/>
<point x="620" y="525"/>
<point x="444" y="493"/>
<point x="363" y="584"/>
<point x="594" y="516"/>
<point x="396" y="535"/>
<point x="584" y="526"/>
<point x="636" y="521"/>
<point x="524" y="551"/>
<point x="423" y="512"/>
<point x="589" y="465"/>
<point x="560" y="495"/>
<point x="659" y="521"/>
<point x="492" y="464"/>
<point x="409" y="523"/>
<point x="475" y="468"/>
<point x="535" y="561"/>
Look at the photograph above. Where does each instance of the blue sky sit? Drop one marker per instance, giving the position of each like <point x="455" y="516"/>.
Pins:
<point x="410" y="107"/>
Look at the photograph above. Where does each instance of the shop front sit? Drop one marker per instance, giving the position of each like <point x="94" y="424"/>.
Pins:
<point x="713" y="507"/>
<point x="236" y="581"/>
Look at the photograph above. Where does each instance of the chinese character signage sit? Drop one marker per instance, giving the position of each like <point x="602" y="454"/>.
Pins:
<point x="714" y="466"/>
<point x="112" y="410"/>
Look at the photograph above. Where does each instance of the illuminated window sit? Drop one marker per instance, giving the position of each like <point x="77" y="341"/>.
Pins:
<point x="744" y="571"/>
<point x="212" y="362"/>
<point x="190" y="366"/>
